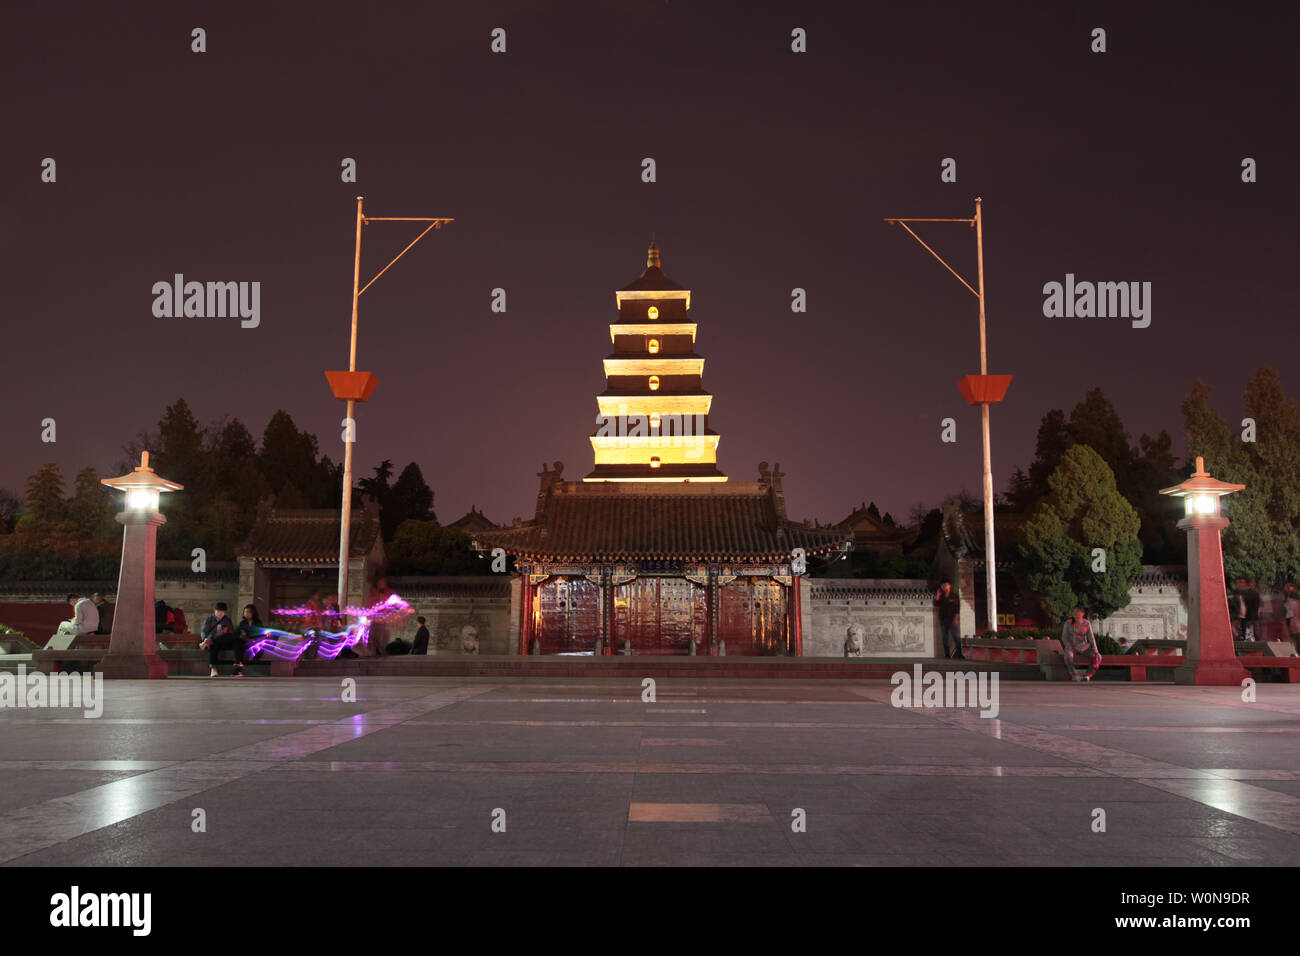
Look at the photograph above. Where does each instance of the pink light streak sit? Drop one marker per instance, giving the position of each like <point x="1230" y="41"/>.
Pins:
<point x="287" y="646"/>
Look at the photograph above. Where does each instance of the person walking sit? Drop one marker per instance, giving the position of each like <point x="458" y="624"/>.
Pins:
<point x="1291" y="604"/>
<point x="1078" y="641"/>
<point x="1251" y="630"/>
<point x="949" y="606"/>
<point x="1237" y="603"/>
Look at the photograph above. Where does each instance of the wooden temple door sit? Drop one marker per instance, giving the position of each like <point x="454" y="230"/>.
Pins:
<point x="660" y="615"/>
<point x="683" y="617"/>
<point x="568" y="619"/>
<point x="753" y="617"/>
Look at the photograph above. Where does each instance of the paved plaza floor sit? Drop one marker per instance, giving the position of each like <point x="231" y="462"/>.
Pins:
<point x="582" y="772"/>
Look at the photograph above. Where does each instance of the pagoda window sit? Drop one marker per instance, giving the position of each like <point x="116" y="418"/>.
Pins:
<point x="654" y="461"/>
<point x="654" y="419"/>
<point x="654" y="346"/>
<point x="652" y="313"/>
<point x="654" y="383"/>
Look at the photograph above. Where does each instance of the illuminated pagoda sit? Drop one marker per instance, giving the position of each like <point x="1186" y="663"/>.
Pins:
<point x="655" y="551"/>
<point x="654" y="409"/>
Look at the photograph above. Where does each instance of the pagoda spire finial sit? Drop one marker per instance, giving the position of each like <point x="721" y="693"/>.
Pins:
<point x="652" y="257"/>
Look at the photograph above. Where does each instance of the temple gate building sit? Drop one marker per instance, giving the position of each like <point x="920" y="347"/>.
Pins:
<point x="655" y="551"/>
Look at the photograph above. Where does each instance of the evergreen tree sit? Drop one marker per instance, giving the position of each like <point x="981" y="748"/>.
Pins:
<point x="9" y="508"/>
<point x="180" y="453"/>
<point x="378" y="487"/>
<point x="410" y="498"/>
<point x="1263" y="540"/>
<point x="43" y="496"/>
<point x="289" y="455"/>
<point x="91" y="509"/>
<point x="1082" y="511"/>
<point x="424" y="547"/>
<point x="1140" y="470"/>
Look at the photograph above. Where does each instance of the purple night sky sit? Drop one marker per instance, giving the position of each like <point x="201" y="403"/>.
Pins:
<point x="774" y="171"/>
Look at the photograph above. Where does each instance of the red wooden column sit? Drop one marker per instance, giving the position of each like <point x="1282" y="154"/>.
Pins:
<point x="713" y="613"/>
<point x="526" y="625"/>
<point x="797" y="611"/>
<point x="606" y="612"/>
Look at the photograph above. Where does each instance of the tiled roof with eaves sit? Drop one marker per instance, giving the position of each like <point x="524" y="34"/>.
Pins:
<point x="309" y="535"/>
<point x="631" y="521"/>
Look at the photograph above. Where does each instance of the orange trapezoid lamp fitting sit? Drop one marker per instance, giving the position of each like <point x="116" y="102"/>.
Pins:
<point x="984" y="389"/>
<point x="352" y="386"/>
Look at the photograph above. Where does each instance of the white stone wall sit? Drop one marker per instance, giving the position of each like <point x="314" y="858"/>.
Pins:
<point x="897" y="617"/>
<point x="453" y="604"/>
<point x="1158" y="611"/>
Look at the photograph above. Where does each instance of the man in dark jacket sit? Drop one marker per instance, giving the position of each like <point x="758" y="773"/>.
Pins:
<point x="421" y="645"/>
<point x="219" y="635"/>
<point x="949" y="606"/>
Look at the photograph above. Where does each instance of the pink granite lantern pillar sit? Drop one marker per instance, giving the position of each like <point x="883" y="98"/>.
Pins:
<point x="1211" y="657"/>
<point x="133" y="647"/>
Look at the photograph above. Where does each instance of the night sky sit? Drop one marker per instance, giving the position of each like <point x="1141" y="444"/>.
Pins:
<point x="774" y="170"/>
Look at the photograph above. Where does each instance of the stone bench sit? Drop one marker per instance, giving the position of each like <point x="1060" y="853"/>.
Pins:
<point x="181" y="661"/>
<point x="1053" y="665"/>
<point x="1051" y="661"/>
<point x="1286" y="667"/>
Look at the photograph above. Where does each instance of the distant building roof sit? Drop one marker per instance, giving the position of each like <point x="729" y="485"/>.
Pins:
<point x="472" y="521"/>
<point x="309" y="535"/>
<point x="731" y="521"/>
<point x="872" y="532"/>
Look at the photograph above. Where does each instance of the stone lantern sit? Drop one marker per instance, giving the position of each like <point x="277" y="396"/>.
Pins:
<point x="133" y="647"/>
<point x="1211" y="657"/>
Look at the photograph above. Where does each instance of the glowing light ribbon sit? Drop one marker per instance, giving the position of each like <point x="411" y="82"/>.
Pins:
<point x="287" y="646"/>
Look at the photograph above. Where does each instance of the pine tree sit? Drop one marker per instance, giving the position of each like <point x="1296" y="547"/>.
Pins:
<point x="1263" y="540"/>
<point x="410" y="498"/>
<point x="1083" y="511"/>
<point x="43" y="496"/>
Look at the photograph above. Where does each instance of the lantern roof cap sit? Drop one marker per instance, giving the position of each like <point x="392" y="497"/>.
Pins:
<point x="142" y="477"/>
<point x="1201" y="483"/>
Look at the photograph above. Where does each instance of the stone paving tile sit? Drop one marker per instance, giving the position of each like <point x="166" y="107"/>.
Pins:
<point x="704" y="838"/>
<point x="409" y="775"/>
<point x="22" y="788"/>
<point x="544" y="858"/>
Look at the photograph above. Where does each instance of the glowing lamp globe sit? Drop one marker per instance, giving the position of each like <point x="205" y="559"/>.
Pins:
<point x="142" y="487"/>
<point x="1201" y="492"/>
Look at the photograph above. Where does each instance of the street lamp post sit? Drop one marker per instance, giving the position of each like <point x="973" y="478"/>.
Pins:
<point x="1211" y="655"/>
<point x="982" y="390"/>
<point x="353" y="386"/>
<point x="133" y="646"/>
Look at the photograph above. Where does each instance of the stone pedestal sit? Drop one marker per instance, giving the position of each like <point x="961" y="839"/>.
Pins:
<point x="133" y="647"/>
<point x="1211" y="657"/>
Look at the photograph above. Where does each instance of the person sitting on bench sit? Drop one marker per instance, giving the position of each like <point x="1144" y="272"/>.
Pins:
<point x="85" y="620"/>
<point x="1077" y="640"/>
<point x="219" y="635"/>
